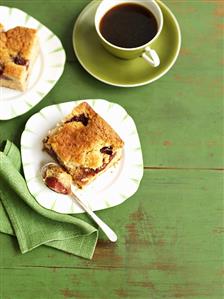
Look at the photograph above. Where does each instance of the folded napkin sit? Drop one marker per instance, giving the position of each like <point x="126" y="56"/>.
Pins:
<point x="33" y="225"/>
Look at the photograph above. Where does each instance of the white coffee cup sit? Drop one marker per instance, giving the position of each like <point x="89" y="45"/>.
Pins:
<point x="145" y="51"/>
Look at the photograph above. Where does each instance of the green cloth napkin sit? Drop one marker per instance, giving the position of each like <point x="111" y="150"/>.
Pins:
<point x="33" y="225"/>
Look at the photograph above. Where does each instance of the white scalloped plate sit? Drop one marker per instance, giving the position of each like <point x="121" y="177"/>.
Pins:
<point x="111" y="188"/>
<point x="46" y="71"/>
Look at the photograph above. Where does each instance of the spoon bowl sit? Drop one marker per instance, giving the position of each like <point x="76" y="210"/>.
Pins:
<point x="58" y="185"/>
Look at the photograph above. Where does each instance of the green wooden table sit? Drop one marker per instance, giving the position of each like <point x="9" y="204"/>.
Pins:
<point x="171" y="231"/>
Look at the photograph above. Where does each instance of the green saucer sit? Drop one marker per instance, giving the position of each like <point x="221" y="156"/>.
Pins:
<point x="125" y="73"/>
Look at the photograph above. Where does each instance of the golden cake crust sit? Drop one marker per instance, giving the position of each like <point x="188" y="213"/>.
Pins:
<point x="17" y="52"/>
<point x="84" y="146"/>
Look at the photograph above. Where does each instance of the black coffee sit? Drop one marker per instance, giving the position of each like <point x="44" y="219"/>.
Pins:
<point x="128" y="25"/>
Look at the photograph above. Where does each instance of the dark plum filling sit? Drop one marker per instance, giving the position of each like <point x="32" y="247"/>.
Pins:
<point x="79" y="118"/>
<point x="5" y="77"/>
<point x="54" y="184"/>
<point x="20" y="61"/>
<point x="87" y="172"/>
<point x="1" y="69"/>
<point x="107" y="150"/>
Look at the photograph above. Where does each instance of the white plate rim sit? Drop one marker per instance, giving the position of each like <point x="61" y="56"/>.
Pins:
<point x="30" y="98"/>
<point x="32" y="177"/>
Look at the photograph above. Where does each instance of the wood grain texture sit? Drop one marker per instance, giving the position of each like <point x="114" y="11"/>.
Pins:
<point x="179" y="117"/>
<point x="171" y="231"/>
<point x="170" y="246"/>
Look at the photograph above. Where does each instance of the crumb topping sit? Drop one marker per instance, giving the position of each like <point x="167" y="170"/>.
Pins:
<point x="84" y="143"/>
<point x="15" y="50"/>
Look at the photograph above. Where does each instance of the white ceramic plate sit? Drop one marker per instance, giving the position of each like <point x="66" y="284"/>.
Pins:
<point x="45" y="73"/>
<point x="110" y="188"/>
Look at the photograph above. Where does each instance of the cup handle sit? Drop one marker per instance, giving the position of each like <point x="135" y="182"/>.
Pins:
<point x="151" y="57"/>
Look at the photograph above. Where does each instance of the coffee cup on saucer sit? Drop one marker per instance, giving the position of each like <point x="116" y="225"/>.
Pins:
<point x="128" y="28"/>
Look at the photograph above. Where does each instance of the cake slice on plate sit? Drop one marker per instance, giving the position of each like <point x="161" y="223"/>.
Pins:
<point x="18" y="51"/>
<point x="84" y="144"/>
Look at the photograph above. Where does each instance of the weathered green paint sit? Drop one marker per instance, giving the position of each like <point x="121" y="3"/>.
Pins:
<point x="170" y="246"/>
<point x="171" y="232"/>
<point x="172" y="113"/>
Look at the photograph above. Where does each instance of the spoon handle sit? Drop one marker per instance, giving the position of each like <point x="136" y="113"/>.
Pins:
<point x="105" y="228"/>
